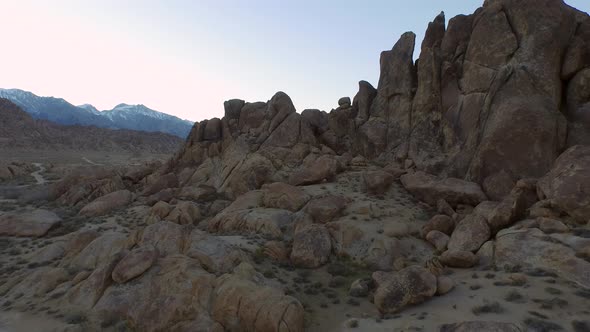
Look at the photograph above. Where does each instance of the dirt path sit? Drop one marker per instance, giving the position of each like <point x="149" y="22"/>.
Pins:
<point x="91" y="162"/>
<point x="37" y="174"/>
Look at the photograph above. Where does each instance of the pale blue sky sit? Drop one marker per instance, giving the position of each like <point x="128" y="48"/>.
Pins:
<point x="186" y="57"/>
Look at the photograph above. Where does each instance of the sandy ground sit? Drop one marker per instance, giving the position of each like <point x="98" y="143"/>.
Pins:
<point x="24" y="322"/>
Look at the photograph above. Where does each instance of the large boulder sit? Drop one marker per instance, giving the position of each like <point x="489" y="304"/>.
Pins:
<point x="160" y="183"/>
<point x="107" y="203"/>
<point x="136" y="174"/>
<point x="323" y="168"/>
<point x="214" y="253"/>
<point x="438" y="239"/>
<point x="200" y="193"/>
<point x="511" y="208"/>
<point x="273" y="223"/>
<point x="325" y="209"/>
<point x="28" y="223"/>
<point x="567" y="185"/>
<point x="430" y="189"/>
<point x="411" y="285"/>
<point x="376" y="182"/>
<point x="311" y="246"/>
<point x="241" y="301"/>
<point x="160" y="209"/>
<point x="184" y="213"/>
<point x="439" y="222"/>
<point x="470" y="234"/>
<point x="459" y="258"/>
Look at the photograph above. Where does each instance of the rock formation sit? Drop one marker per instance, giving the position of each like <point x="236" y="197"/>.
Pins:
<point x="493" y="98"/>
<point x="475" y="156"/>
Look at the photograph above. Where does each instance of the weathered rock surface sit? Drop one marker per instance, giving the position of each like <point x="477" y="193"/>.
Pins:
<point x="548" y="225"/>
<point x="214" y="254"/>
<point x="160" y="183"/>
<point x="441" y="223"/>
<point x="377" y="182"/>
<point x="438" y="239"/>
<point x="396" y="290"/>
<point x="148" y="306"/>
<point x="429" y="189"/>
<point x="284" y="196"/>
<point x="312" y="246"/>
<point x="239" y="301"/>
<point x="99" y="250"/>
<point x="161" y="209"/>
<point x="323" y="168"/>
<point x="470" y="234"/>
<point x="459" y="258"/>
<point x="166" y="237"/>
<point x="530" y="248"/>
<point x="325" y="209"/>
<point x="28" y="223"/>
<point x="567" y="185"/>
<point x="134" y="264"/>
<point x="274" y="223"/>
<point x="184" y="213"/>
<point x="107" y="203"/>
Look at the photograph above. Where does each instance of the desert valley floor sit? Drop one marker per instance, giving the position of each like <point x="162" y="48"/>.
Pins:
<point x="534" y="297"/>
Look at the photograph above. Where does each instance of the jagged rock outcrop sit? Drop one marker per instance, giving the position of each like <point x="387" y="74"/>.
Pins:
<point x="493" y="97"/>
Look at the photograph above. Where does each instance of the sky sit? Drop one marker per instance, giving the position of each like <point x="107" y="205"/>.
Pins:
<point x="185" y="57"/>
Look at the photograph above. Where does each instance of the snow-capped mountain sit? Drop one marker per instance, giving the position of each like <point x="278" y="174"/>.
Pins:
<point x="54" y="109"/>
<point x="123" y="116"/>
<point x="139" y="117"/>
<point x="90" y="108"/>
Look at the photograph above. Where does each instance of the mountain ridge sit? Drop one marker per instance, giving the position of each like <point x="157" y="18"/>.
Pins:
<point x="18" y="129"/>
<point x="122" y="116"/>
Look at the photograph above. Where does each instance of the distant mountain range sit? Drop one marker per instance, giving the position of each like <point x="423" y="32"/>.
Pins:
<point x="123" y="116"/>
<point x="18" y="130"/>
